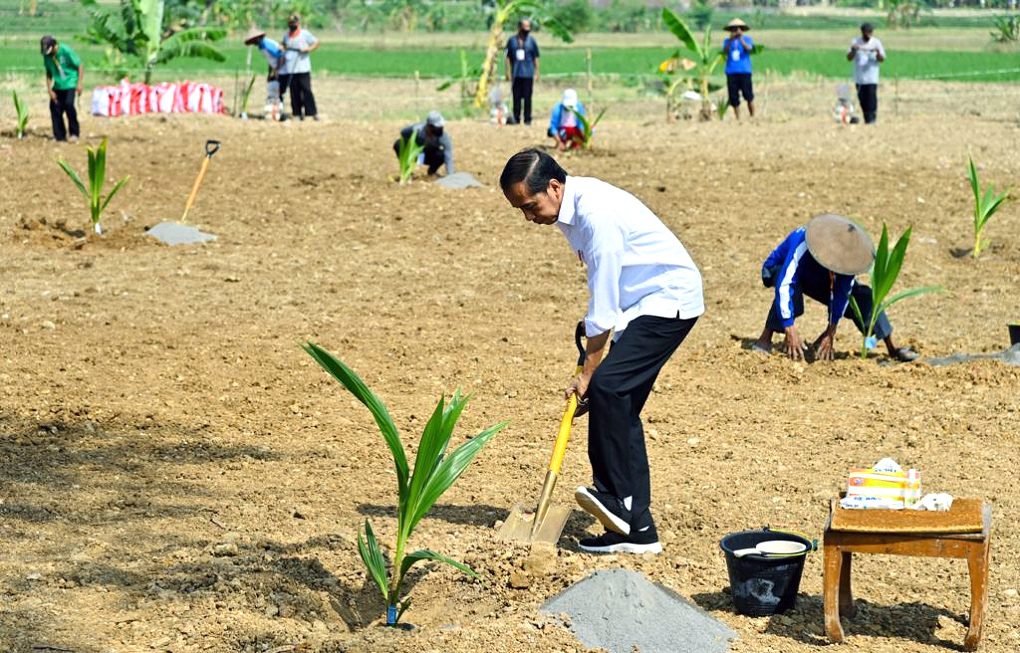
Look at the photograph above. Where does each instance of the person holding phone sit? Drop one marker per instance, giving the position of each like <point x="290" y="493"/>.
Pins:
<point x="867" y="53"/>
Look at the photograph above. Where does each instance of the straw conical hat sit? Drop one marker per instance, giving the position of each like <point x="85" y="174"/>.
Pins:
<point x="840" y="245"/>
<point x="253" y="35"/>
<point x="736" y="22"/>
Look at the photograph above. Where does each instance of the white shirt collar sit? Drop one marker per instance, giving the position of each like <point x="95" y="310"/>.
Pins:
<point x="568" y="206"/>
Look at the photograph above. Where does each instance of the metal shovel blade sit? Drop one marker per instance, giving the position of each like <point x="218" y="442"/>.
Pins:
<point x="520" y="523"/>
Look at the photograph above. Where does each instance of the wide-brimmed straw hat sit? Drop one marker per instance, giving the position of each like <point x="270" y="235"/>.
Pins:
<point x="736" y="22"/>
<point x="839" y="244"/>
<point x="254" y="34"/>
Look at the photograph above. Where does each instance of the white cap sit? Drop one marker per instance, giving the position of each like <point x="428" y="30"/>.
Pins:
<point x="435" y="119"/>
<point x="570" y="98"/>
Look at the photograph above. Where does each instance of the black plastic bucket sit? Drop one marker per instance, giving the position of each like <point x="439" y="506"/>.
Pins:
<point x="763" y="585"/>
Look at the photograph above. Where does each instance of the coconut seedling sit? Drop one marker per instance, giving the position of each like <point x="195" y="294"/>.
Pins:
<point x="22" y="110"/>
<point x="986" y="204"/>
<point x="407" y="155"/>
<point x="884" y="272"/>
<point x="587" y="126"/>
<point x="418" y="489"/>
<point x="97" y="178"/>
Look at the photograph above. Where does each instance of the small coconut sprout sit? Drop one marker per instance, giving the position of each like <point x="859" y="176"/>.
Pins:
<point x="884" y="272"/>
<point x="22" y="110"/>
<point x="986" y="204"/>
<point x="408" y="155"/>
<point x="417" y="490"/>
<point x="93" y="193"/>
<point x="587" y="126"/>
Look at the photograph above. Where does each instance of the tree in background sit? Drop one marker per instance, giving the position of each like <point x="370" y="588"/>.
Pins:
<point x="503" y="11"/>
<point x="140" y="34"/>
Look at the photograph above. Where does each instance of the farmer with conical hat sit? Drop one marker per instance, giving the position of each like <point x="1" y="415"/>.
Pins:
<point x="820" y="260"/>
<point x="644" y="292"/>
<point x="738" y="48"/>
<point x="273" y="53"/>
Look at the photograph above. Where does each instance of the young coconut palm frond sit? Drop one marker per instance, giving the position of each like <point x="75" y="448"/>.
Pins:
<point x="22" y="110"/>
<point x="93" y="193"/>
<point x="408" y="155"/>
<point x="884" y="273"/>
<point x="587" y="127"/>
<point x="418" y="490"/>
<point x="985" y="206"/>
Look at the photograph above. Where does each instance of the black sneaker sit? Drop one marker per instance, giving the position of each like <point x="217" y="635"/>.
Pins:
<point x="606" y="508"/>
<point x="646" y="541"/>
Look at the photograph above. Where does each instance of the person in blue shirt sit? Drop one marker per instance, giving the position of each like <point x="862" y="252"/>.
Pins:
<point x="820" y="260"/>
<point x="738" y="48"/>
<point x="522" y="64"/>
<point x="273" y="53"/>
<point x="564" y="125"/>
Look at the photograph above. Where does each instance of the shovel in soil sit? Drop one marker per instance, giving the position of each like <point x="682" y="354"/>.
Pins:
<point x="211" y="147"/>
<point x="546" y="523"/>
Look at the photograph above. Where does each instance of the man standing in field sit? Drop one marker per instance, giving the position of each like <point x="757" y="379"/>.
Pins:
<point x="296" y="69"/>
<point x="645" y="290"/>
<point x="64" y="76"/>
<point x="738" y="48"/>
<point x="522" y="67"/>
<point x="867" y="53"/>
<point x="820" y="260"/>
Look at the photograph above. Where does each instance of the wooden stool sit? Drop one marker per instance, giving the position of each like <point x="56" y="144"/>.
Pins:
<point x="839" y="546"/>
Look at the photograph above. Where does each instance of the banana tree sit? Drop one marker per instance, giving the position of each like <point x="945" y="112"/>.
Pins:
<point x="137" y="33"/>
<point x="502" y="11"/>
<point x="698" y="68"/>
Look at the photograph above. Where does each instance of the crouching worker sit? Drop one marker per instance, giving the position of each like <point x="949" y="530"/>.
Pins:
<point x="645" y="290"/>
<point x="820" y="260"/>
<point x="432" y="136"/>
<point x="564" y="127"/>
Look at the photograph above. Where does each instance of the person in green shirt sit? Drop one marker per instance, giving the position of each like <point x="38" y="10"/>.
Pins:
<point x="64" y="76"/>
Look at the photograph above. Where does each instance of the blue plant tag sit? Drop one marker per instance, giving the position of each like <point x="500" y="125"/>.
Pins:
<point x="870" y="342"/>
<point x="391" y="615"/>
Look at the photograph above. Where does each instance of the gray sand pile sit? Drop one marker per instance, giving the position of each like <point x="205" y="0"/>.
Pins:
<point x="620" y="611"/>
<point x="1009" y="356"/>
<point x="459" y="180"/>
<point x="175" y="233"/>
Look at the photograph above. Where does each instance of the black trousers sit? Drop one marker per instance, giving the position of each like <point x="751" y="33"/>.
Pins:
<point x="617" y="392"/>
<point x="867" y="96"/>
<point x="818" y="290"/>
<point x="522" y="88"/>
<point x="64" y="104"/>
<point x="302" y="102"/>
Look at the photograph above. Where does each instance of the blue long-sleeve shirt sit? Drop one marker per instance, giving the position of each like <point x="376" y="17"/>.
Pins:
<point x="557" y="117"/>
<point x="790" y="264"/>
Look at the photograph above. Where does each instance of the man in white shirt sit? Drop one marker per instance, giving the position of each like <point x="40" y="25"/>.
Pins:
<point x="296" y="68"/>
<point x="645" y="290"/>
<point x="867" y="53"/>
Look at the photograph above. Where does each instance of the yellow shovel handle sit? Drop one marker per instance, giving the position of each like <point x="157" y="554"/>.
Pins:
<point x="563" y="437"/>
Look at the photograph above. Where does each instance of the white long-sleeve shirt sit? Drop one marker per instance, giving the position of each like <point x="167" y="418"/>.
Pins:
<point x="636" y="265"/>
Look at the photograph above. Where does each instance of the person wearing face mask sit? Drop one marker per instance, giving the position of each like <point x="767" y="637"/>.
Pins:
<point x="645" y="290"/>
<point x="522" y="68"/>
<point x="432" y="135"/>
<point x="296" y="69"/>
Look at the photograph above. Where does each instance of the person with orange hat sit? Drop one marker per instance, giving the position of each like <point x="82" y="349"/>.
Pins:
<point x="738" y="48"/>
<point x="820" y="260"/>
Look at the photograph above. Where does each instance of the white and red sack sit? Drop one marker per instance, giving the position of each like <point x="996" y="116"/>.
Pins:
<point x="127" y="99"/>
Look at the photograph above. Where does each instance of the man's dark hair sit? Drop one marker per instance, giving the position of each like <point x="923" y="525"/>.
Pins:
<point x="867" y="28"/>
<point x="535" y="168"/>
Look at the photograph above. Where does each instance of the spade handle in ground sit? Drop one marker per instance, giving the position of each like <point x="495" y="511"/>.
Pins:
<point x="211" y="147"/>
